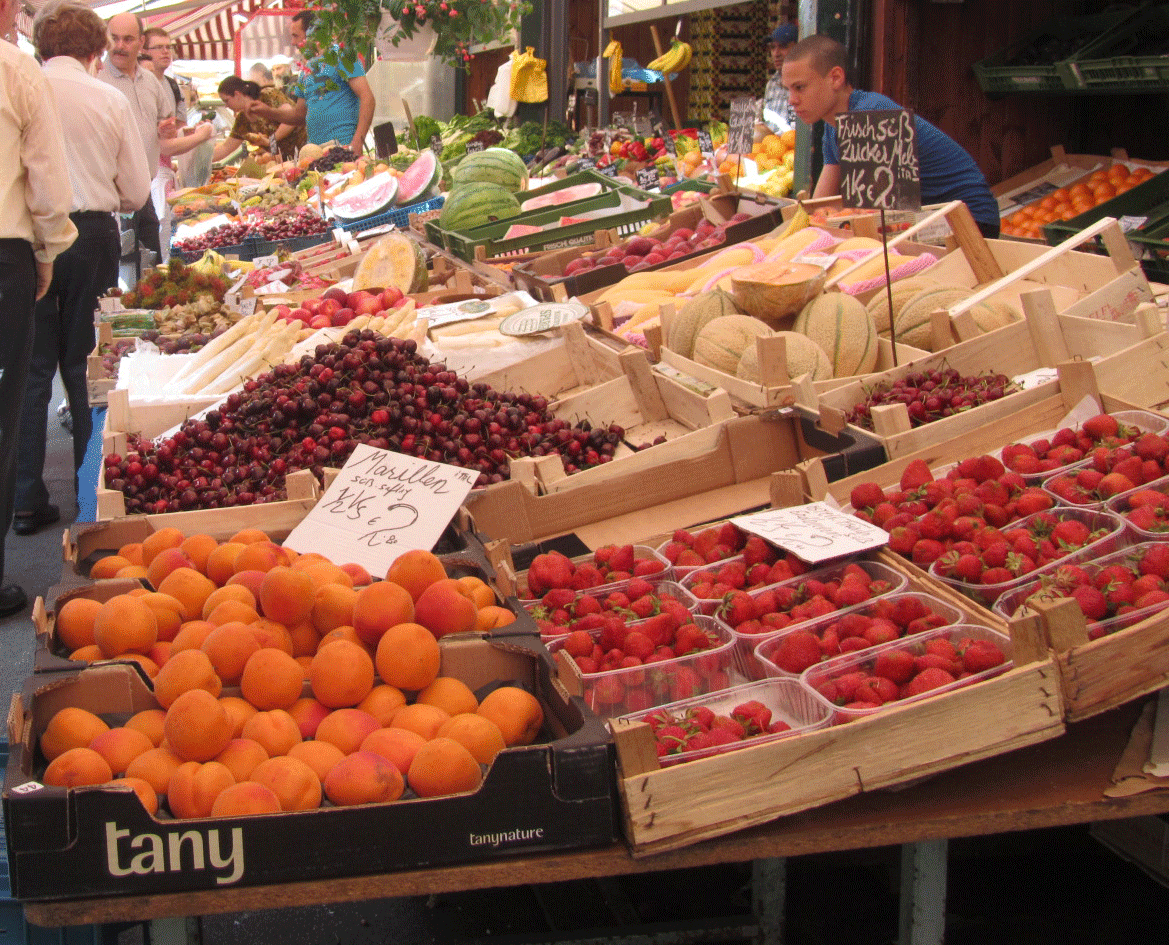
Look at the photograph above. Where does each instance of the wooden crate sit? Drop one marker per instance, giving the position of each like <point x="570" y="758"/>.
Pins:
<point x="673" y="807"/>
<point x="98" y="383"/>
<point x="1013" y="350"/>
<point x="586" y="358"/>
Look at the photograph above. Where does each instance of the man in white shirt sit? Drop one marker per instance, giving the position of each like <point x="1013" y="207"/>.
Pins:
<point x="158" y="52"/>
<point x="106" y="166"/>
<point x="34" y="229"/>
<point x="154" y="110"/>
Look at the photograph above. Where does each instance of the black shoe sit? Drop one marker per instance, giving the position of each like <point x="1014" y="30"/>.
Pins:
<point x="29" y="523"/>
<point x="12" y="600"/>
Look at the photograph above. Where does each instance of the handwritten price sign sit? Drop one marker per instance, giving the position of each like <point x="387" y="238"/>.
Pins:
<point x="380" y="505"/>
<point x="814" y="532"/>
<point x="878" y="160"/>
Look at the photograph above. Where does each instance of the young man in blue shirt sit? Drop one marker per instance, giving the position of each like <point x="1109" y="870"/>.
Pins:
<point x="815" y="75"/>
<point x="333" y="102"/>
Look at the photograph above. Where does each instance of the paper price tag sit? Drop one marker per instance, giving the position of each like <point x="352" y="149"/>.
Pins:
<point x="814" y="532"/>
<point x="380" y="505"/>
<point x="1130" y="223"/>
<point x="474" y="147"/>
<point x="247" y="306"/>
<point x="265" y="262"/>
<point x="705" y="145"/>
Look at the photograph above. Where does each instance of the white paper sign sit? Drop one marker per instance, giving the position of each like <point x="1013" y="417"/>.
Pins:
<point x="265" y="262"/>
<point x="380" y="505"/>
<point x="814" y="532"/>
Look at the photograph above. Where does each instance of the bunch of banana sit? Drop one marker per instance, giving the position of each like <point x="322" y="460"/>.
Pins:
<point x="614" y="54"/>
<point x="674" y="59"/>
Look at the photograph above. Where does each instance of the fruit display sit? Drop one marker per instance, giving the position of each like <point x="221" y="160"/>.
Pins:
<point x="369" y="389"/>
<point x="609" y="564"/>
<point x="760" y="565"/>
<point x="931" y="395"/>
<point x="1067" y="202"/>
<point x="1145" y="509"/>
<point x="855" y="686"/>
<point x="176" y="283"/>
<point x="203" y="316"/>
<point x="289" y="274"/>
<point x="377" y="723"/>
<point x="226" y="234"/>
<point x="1070" y="446"/>
<point x="112" y="353"/>
<point x="277" y="195"/>
<point x="561" y="611"/>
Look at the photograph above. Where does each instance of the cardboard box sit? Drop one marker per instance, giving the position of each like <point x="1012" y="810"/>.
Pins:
<point x="673" y="807"/>
<point x="554" y="795"/>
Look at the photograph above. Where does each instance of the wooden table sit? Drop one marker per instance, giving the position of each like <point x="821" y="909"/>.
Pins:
<point x="1055" y="783"/>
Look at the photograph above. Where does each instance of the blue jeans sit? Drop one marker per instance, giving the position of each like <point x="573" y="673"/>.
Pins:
<point x="18" y="281"/>
<point x="64" y="339"/>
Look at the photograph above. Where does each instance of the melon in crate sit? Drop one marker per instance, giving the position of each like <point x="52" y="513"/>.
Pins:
<point x="420" y="180"/>
<point x="843" y="328"/>
<point x="555" y="198"/>
<point x="774" y="292"/>
<point x="394" y="261"/>
<point x="901" y="291"/>
<point x="694" y="316"/>
<point x="369" y="198"/>
<point x="914" y="325"/>
<point x="471" y="205"/>
<point x="491" y="166"/>
<point x="802" y="356"/>
<point x="721" y="343"/>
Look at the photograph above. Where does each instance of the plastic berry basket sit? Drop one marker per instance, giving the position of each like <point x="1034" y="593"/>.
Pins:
<point x="661" y="585"/>
<point x="695" y="575"/>
<point x="398" y="217"/>
<point x="987" y="594"/>
<point x="788" y="701"/>
<point x="1122" y="505"/>
<point x="1143" y="420"/>
<point x="640" y="553"/>
<point x="622" y="691"/>
<point x="1014" y="604"/>
<point x="816" y="676"/>
<point x="765" y="650"/>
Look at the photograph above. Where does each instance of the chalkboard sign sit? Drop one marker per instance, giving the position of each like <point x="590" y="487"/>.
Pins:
<point x="436" y="144"/>
<point x="474" y="146"/>
<point x="609" y="170"/>
<point x="586" y="164"/>
<point x="705" y="145"/>
<point x="741" y="136"/>
<point x="647" y="179"/>
<point x="878" y="160"/>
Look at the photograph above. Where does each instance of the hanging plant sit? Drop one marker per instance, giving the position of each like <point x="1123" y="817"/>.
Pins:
<point x="343" y="26"/>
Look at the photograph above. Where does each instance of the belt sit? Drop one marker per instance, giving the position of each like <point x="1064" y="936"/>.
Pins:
<point x="91" y="215"/>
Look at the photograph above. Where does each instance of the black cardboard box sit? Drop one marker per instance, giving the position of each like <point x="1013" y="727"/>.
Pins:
<point x="555" y="795"/>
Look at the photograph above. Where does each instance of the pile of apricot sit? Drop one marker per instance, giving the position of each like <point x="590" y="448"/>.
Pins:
<point x="1067" y="202"/>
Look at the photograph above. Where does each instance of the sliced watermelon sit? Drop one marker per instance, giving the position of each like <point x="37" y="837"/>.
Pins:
<point x="420" y="180"/>
<point x="565" y="195"/>
<point x="568" y="221"/>
<point x="371" y="197"/>
<point x="521" y="229"/>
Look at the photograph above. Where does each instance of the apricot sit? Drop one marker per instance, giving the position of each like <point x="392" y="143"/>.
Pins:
<point x="293" y="781"/>
<point x="451" y="695"/>
<point x="155" y="767"/>
<point x="248" y="536"/>
<point x="516" y="711"/>
<point x="382" y="702"/>
<point x="308" y="713"/>
<point x="273" y="634"/>
<point x="272" y="679"/>
<point x="120" y="745"/>
<point x="363" y="778"/>
<point x="124" y="625"/>
<point x="261" y="556"/>
<point x="333" y="607"/>
<point x="442" y="767"/>
<point x="245" y="799"/>
<point x="326" y="574"/>
<point x="70" y="727"/>
<point x="150" y="723"/>
<point x="380" y="606"/>
<point x="346" y="728"/>
<point x="146" y="793"/>
<point x="156" y="542"/>
<point x="241" y="756"/>
<point x="168" y="612"/>
<point x="419" y="717"/>
<point x="360" y="576"/>
<point x="238" y="710"/>
<point x="305" y="639"/>
<point x="478" y="590"/>
<point x="320" y="756"/>
<point x="286" y="595"/>
<point x="220" y="564"/>
<point x="251" y="580"/>
<point x="408" y="657"/>
<point x="132" y="552"/>
<point x="133" y="572"/>
<point x="109" y="567"/>
<point x="229" y="647"/>
<point x="232" y="610"/>
<point x="416" y="570"/>
<point x="190" y="587"/>
<point x="493" y="616"/>
<point x="165" y="562"/>
<point x="344" y="633"/>
<point x="185" y="671"/>
<point x="274" y="729"/>
<point x="236" y="592"/>
<point x="479" y="735"/>
<point x="446" y="607"/>
<point x="87" y="654"/>
<point x="396" y="745"/>
<point x="341" y="674"/>
<point x="194" y="787"/>
<point x="160" y="652"/>
<point x="191" y="635"/>
<point x="77" y="767"/>
<point x="73" y="626"/>
<point x="197" y="727"/>
<point x="148" y="666"/>
<point x="198" y="548"/>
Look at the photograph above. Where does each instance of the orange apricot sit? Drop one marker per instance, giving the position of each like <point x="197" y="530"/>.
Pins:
<point x="108" y="567"/>
<point x="382" y="702"/>
<point x="408" y="657"/>
<point x="272" y="679"/>
<point x="194" y="787"/>
<point x="286" y="595"/>
<point x="363" y="778"/>
<point x="446" y="607"/>
<point x="308" y="713"/>
<point x="228" y="647"/>
<point x="396" y="745"/>
<point x="246" y="799"/>
<point x="124" y="625"/>
<point x="144" y="790"/>
<point x="73" y="626"/>
<point x="77" y="767"/>
<point x="220" y="564"/>
<point x="150" y="723"/>
<point x="70" y="727"/>
<point x="121" y="745"/>
<point x="241" y="756"/>
<point x="346" y="728"/>
<point x="341" y="674"/>
<point x="197" y="727"/>
<point x="185" y="671"/>
<point x="291" y="780"/>
<point x="333" y="607"/>
<point x="274" y="729"/>
<point x="380" y="606"/>
<point x="189" y="586"/>
<point x="442" y="767"/>
<point x="416" y="570"/>
<point x="320" y="756"/>
<point x="450" y="694"/>
<point x="478" y="734"/>
<point x="156" y="542"/>
<point x="516" y="711"/>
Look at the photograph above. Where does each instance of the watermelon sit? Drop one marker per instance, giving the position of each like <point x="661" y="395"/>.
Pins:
<point x="492" y="166"/>
<point x="420" y="180"/>
<point x="374" y="196"/>
<point x="521" y="229"/>
<point x="555" y="198"/>
<point x="473" y="205"/>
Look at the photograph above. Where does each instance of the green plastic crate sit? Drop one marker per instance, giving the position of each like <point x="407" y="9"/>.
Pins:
<point x="491" y="235"/>
<point x="1137" y="202"/>
<point x="998" y="76"/>
<point x="1153" y="237"/>
<point x="1132" y="57"/>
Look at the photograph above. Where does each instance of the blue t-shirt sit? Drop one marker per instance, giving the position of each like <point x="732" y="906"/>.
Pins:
<point x="332" y="113"/>
<point x="947" y="171"/>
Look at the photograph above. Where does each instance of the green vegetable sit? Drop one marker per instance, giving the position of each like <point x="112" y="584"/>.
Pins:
<point x="424" y="129"/>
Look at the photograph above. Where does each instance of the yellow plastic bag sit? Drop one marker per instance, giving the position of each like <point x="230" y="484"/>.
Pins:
<point x="529" y="77"/>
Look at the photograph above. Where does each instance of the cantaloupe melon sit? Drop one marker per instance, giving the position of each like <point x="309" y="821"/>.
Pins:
<point x="902" y="291"/>
<point x="775" y="292"/>
<point x="721" y="342"/>
<point x="992" y="314"/>
<point x="803" y="356"/>
<point x="840" y="325"/>
<point x="728" y="259"/>
<point x="913" y="325"/>
<point x="787" y="248"/>
<point x="694" y="316"/>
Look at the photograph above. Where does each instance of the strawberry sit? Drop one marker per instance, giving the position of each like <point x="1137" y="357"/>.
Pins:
<point x="867" y="495"/>
<point x="587" y="576"/>
<point x="739" y="607"/>
<point x="1101" y="426"/>
<point x="644" y="567"/>
<point x="607" y="691"/>
<point x="671" y="740"/>
<point x="895" y="665"/>
<point x="757" y="551"/>
<point x="796" y="651"/>
<point x="729" y="724"/>
<point x="622" y="558"/>
<point x="578" y="643"/>
<point x="684" y="682"/>
<point x="691" y="638"/>
<point x="869" y="692"/>
<point x="982" y="655"/>
<point x="1092" y="602"/>
<point x="915" y="475"/>
<point x="701" y="716"/>
<point x="928" y="679"/>
<point x="638" y="645"/>
<point x="754" y="716"/>
<point x="925" y="551"/>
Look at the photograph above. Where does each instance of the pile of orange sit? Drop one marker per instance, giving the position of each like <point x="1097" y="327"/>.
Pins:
<point x="1068" y="202"/>
<point x="340" y="693"/>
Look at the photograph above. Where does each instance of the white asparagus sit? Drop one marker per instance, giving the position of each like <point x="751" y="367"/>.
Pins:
<point x="240" y="329"/>
<point x="214" y="366"/>
<point x="256" y="360"/>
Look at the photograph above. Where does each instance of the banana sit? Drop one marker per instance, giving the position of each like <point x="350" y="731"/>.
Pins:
<point x="689" y="51"/>
<point x="674" y="59"/>
<point x="614" y="53"/>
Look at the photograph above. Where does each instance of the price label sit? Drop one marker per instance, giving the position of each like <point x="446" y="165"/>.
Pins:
<point x="247" y="306"/>
<point x="878" y="160"/>
<point x="647" y="179"/>
<point x="473" y="147"/>
<point x="705" y="145"/>
<point x="265" y="262"/>
<point x="586" y="164"/>
<point x="814" y="532"/>
<point x="436" y="144"/>
<point x="609" y="170"/>
<point x="1130" y="223"/>
<point x="741" y="135"/>
<point x="642" y="126"/>
<point x="273" y="147"/>
<point x="538" y="318"/>
<point x="380" y="505"/>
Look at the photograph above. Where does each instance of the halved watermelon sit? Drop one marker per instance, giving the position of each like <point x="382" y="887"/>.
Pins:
<point x="521" y="229"/>
<point x="421" y="179"/>
<point x="564" y="195"/>
<point x="371" y="197"/>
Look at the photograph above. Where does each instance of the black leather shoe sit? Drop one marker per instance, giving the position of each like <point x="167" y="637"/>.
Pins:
<point x="12" y="600"/>
<point x="29" y="523"/>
